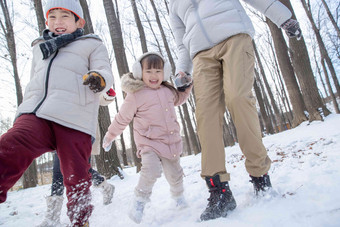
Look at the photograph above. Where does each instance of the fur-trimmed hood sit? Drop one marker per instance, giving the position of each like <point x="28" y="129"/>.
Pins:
<point x="130" y="84"/>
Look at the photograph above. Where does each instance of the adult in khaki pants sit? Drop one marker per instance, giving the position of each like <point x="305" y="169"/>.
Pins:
<point x="215" y="37"/>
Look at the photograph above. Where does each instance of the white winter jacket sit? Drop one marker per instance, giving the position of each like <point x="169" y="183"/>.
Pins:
<point x="56" y="91"/>
<point x="201" y="24"/>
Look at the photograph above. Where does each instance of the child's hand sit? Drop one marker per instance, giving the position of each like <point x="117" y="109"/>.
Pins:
<point x="95" y="81"/>
<point x="107" y="143"/>
<point x="183" y="81"/>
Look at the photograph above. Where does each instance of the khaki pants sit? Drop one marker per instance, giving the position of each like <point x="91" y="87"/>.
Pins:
<point x="152" y="169"/>
<point x="224" y="76"/>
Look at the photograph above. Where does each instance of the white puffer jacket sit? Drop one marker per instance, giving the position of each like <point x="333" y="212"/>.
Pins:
<point x="201" y="24"/>
<point x="56" y="91"/>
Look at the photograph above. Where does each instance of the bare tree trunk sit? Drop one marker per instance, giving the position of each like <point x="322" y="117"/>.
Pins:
<point x="186" y="134"/>
<point x="107" y="162"/>
<point x="266" y="119"/>
<point x="227" y="135"/>
<point x="87" y="17"/>
<point x="270" y="93"/>
<point x="319" y="72"/>
<point x="299" y="54"/>
<point x="40" y="15"/>
<point x="166" y="45"/>
<point x="139" y="26"/>
<point x="335" y="104"/>
<point x="122" y="64"/>
<point x="336" y="27"/>
<point x="7" y="29"/>
<point x="30" y="176"/>
<point x="321" y="44"/>
<point x="288" y="75"/>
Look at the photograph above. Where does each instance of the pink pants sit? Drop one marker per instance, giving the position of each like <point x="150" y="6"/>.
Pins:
<point x="31" y="137"/>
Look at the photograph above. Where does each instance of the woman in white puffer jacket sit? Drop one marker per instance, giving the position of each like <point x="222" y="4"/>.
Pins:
<point x="215" y="38"/>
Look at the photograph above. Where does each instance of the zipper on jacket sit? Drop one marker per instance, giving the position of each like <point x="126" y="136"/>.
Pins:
<point x="46" y="82"/>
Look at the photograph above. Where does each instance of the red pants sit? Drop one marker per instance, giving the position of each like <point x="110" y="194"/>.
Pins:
<point x="31" y="137"/>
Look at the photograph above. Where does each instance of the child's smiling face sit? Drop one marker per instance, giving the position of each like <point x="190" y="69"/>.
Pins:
<point x="152" y="77"/>
<point x="62" y="21"/>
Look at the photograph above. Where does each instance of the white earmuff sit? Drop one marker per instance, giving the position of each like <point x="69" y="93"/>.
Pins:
<point x="137" y="67"/>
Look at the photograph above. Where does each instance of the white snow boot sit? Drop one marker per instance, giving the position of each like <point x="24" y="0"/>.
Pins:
<point x="137" y="210"/>
<point x="181" y="202"/>
<point x="52" y="217"/>
<point x="107" y="190"/>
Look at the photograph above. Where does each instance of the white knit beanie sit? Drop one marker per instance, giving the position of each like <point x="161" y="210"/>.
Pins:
<point x="70" y="5"/>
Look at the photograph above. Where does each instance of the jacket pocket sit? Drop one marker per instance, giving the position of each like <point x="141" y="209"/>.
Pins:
<point x="82" y="91"/>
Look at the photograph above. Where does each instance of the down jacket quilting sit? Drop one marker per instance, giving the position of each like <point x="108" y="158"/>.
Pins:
<point x="56" y="91"/>
<point x="201" y="24"/>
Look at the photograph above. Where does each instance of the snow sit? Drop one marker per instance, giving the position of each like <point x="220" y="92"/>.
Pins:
<point x="305" y="175"/>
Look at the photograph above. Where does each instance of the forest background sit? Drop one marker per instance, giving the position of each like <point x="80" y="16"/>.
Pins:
<point x="294" y="79"/>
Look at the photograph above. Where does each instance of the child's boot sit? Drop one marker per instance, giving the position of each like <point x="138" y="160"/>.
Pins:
<point x="52" y="217"/>
<point x="137" y="210"/>
<point x="221" y="199"/>
<point x="181" y="202"/>
<point x="107" y="190"/>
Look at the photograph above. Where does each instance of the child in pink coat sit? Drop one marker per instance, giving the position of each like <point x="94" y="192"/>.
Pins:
<point x="150" y="103"/>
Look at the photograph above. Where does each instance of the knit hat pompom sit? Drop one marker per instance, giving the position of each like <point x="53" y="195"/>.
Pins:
<point x="69" y="5"/>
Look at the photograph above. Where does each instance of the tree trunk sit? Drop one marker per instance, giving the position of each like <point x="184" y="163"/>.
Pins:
<point x="30" y="176"/>
<point x="335" y="104"/>
<point x="287" y="71"/>
<point x="266" y="119"/>
<point x="139" y="26"/>
<point x="107" y="162"/>
<point x="122" y="64"/>
<point x="270" y="93"/>
<point x="186" y="134"/>
<point x="321" y="44"/>
<point x="336" y="27"/>
<point x="87" y="17"/>
<point x="40" y="15"/>
<point x="304" y="73"/>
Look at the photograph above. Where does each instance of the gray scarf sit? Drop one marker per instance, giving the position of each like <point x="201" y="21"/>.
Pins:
<point x="54" y="42"/>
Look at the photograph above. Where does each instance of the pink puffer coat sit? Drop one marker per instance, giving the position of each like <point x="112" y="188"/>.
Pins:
<point x="154" y="117"/>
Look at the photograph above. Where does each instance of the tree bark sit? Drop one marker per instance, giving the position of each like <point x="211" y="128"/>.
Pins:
<point x="288" y="75"/>
<point x="270" y="93"/>
<point x="301" y="62"/>
<point x="266" y="119"/>
<point x="336" y="27"/>
<point x="139" y="26"/>
<point x="30" y="175"/>
<point x="335" y="103"/>
<point x="321" y="44"/>
<point x="40" y="15"/>
<point x="87" y="17"/>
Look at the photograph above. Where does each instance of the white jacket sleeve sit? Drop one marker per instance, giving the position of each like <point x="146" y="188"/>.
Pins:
<point x="273" y="9"/>
<point x="184" y="62"/>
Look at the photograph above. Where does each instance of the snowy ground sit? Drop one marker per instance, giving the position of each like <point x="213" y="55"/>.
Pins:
<point x="305" y="175"/>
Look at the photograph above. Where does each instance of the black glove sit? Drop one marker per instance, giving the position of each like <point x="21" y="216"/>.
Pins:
<point x="292" y="28"/>
<point x="95" y="81"/>
<point x="183" y="81"/>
